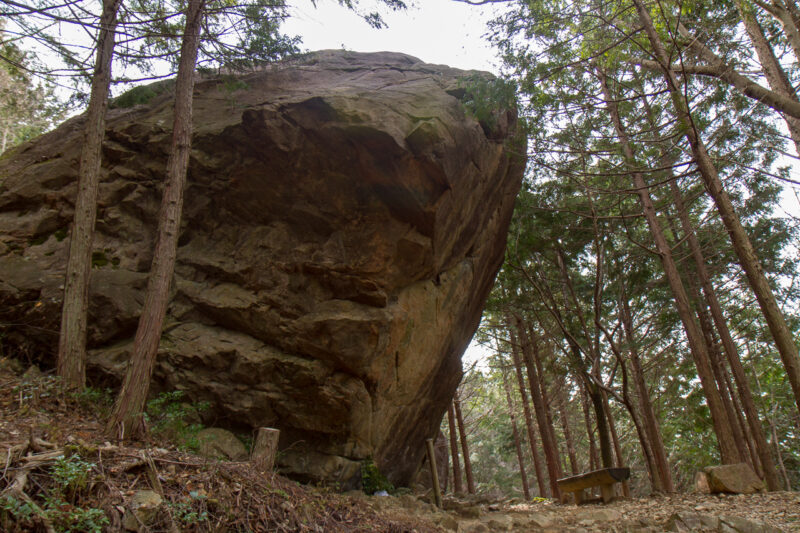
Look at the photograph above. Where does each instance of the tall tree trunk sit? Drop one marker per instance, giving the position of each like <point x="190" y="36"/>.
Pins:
<point x="651" y="426"/>
<point x="548" y="436"/>
<point x="718" y="368"/>
<point x="620" y="462"/>
<point x="729" y="450"/>
<point x="517" y="444"/>
<point x="71" y="363"/>
<point x="784" y="340"/>
<point x="773" y="71"/>
<point x="126" y="419"/>
<point x="458" y="486"/>
<point x="526" y="409"/>
<point x="728" y="346"/>
<point x="548" y="412"/>
<point x="775" y="442"/>
<point x="591" y="379"/>
<point x="598" y="405"/>
<point x="464" y="447"/>
<point x="563" y="414"/>
<point x="594" y="458"/>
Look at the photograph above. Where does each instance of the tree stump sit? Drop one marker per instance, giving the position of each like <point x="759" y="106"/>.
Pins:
<point x="264" y="448"/>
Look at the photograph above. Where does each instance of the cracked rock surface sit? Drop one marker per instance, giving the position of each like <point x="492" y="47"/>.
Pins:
<point x="344" y="219"/>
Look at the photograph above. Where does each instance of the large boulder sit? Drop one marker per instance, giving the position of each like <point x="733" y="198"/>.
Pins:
<point x="344" y="220"/>
<point x="736" y="478"/>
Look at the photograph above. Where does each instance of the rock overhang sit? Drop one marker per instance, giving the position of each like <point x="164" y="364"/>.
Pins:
<point x="343" y="223"/>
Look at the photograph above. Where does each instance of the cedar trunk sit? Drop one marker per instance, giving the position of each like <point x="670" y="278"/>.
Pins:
<point x="547" y="433"/>
<point x="651" y="425"/>
<point x="526" y="409"/>
<point x="71" y="361"/>
<point x="748" y="259"/>
<point x="126" y="418"/>
<point x="729" y="451"/>
<point x="517" y="444"/>
<point x="562" y="411"/>
<point x="458" y="486"/>
<point x="626" y="490"/>
<point x="773" y="71"/>
<point x="464" y="447"/>
<point x="594" y="459"/>
<point x="728" y="346"/>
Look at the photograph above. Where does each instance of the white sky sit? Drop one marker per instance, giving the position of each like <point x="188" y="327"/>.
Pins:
<point x="436" y="31"/>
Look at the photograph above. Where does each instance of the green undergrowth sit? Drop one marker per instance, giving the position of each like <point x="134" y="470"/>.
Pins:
<point x="170" y="417"/>
<point x="372" y="480"/>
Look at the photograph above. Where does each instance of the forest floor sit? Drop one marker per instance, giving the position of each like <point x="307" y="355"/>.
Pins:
<point x="58" y="473"/>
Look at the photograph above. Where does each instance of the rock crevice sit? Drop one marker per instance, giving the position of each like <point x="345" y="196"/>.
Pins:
<point x="343" y="223"/>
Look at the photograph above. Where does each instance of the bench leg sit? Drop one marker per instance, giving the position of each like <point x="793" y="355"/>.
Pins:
<point x="578" y="497"/>
<point x="608" y="492"/>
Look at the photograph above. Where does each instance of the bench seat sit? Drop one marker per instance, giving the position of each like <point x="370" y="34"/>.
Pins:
<point x="603" y="478"/>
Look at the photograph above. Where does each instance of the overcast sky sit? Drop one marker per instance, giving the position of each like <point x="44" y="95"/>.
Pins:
<point x="436" y="31"/>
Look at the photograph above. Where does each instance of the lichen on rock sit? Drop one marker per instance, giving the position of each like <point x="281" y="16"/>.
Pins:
<point x="344" y="220"/>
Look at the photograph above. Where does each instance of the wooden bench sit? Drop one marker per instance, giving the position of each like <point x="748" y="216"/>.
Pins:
<point x="603" y="478"/>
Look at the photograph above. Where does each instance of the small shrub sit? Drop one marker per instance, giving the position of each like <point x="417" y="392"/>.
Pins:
<point x="92" y="398"/>
<point x="141" y="94"/>
<point x="67" y="518"/>
<point x="11" y="507"/>
<point x="372" y="480"/>
<point x="170" y="418"/>
<point x="71" y="474"/>
<point x="184" y="513"/>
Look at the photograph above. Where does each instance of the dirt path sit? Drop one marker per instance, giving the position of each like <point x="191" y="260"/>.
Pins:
<point x="757" y="513"/>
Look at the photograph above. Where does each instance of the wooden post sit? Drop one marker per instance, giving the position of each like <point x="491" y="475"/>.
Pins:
<point x="437" y="493"/>
<point x="264" y="448"/>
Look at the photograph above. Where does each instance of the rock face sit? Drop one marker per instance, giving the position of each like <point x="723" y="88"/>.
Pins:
<point x="344" y="220"/>
<point x="737" y="479"/>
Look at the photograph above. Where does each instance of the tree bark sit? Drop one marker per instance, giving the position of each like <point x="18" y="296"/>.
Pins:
<point x="437" y="492"/>
<point x="594" y="458"/>
<point x="563" y="414"/>
<point x="626" y="490"/>
<point x="773" y="71"/>
<point x="126" y="419"/>
<point x="458" y="486"/>
<point x="748" y="259"/>
<point x="526" y="409"/>
<point x="464" y="447"/>
<point x="783" y="14"/>
<point x="517" y="444"/>
<point x="265" y="448"/>
<point x="722" y="426"/>
<point x="728" y="346"/>
<point x="651" y="425"/>
<point x="548" y="436"/>
<point x="71" y="361"/>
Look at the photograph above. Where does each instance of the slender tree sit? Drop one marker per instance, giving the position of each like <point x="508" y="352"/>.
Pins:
<point x="517" y="441"/>
<point x="464" y="446"/>
<point x="126" y="418"/>
<point x="71" y="364"/>
<point x="458" y="486"/>
<point x="746" y="253"/>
